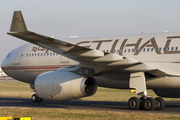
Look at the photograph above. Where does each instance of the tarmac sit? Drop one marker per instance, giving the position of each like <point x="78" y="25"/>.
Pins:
<point x="172" y="107"/>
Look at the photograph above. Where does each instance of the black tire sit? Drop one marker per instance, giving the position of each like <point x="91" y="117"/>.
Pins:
<point x="134" y="103"/>
<point x="160" y="103"/>
<point x="149" y="104"/>
<point x="40" y="100"/>
<point x="141" y="106"/>
<point x="34" y="98"/>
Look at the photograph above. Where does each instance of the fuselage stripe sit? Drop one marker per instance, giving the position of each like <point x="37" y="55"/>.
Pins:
<point x="30" y="68"/>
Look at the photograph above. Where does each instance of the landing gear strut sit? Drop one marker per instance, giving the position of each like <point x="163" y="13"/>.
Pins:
<point x="35" y="98"/>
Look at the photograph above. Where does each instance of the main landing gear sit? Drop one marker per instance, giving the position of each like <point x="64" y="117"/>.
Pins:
<point x="35" y="98"/>
<point x="138" y="82"/>
<point x="146" y="103"/>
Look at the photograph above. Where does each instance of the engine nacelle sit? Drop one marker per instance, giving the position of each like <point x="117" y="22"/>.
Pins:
<point x="173" y="93"/>
<point x="62" y="85"/>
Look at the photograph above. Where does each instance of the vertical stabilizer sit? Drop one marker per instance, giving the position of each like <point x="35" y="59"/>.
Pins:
<point x="18" y="24"/>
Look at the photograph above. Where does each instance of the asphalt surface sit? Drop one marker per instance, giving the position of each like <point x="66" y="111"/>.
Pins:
<point x="172" y="107"/>
<point x="6" y="78"/>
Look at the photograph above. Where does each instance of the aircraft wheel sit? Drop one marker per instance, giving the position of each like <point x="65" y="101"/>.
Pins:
<point x="160" y="104"/>
<point x="134" y="103"/>
<point x="34" y="98"/>
<point x="141" y="106"/>
<point x="40" y="100"/>
<point x="149" y="104"/>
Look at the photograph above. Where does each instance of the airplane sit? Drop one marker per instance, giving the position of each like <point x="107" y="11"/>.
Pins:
<point x="68" y="69"/>
<point x="2" y="74"/>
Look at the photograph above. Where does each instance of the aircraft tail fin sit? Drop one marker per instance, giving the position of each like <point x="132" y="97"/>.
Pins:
<point x="18" y="24"/>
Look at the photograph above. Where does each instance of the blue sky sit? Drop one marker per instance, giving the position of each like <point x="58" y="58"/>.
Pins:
<point x="63" y="18"/>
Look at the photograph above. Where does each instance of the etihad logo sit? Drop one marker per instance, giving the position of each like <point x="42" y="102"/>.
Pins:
<point x="36" y="49"/>
<point x="136" y="46"/>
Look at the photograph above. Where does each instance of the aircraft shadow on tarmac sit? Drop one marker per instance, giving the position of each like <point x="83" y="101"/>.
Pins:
<point x="24" y="102"/>
<point x="172" y="107"/>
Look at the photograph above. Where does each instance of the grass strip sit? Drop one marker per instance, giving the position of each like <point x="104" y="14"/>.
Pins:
<point x="23" y="90"/>
<point x="66" y="114"/>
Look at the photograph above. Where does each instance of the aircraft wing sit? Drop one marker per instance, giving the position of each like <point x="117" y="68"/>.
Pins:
<point x="78" y="53"/>
<point x="75" y="52"/>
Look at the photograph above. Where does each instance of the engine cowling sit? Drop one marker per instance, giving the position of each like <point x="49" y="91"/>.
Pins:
<point x="173" y="93"/>
<point x="62" y="85"/>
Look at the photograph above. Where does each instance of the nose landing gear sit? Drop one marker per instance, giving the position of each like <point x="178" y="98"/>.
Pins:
<point x="35" y="98"/>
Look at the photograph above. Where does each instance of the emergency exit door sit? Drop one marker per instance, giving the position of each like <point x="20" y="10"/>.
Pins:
<point x="64" y="59"/>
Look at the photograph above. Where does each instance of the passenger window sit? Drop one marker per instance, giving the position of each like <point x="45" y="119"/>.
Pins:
<point x="35" y="54"/>
<point x="38" y="54"/>
<point x="168" y="49"/>
<point x="164" y="49"/>
<point x="156" y="49"/>
<point x="176" y="48"/>
<point x="159" y="49"/>
<point x="29" y="54"/>
<point x="129" y="50"/>
<point x="132" y="50"/>
<point x="172" y="48"/>
<point x="148" y="50"/>
<point x="47" y="54"/>
<point x="54" y="53"/>
<point x="151" y="49"/>
<point x="125" y="50"/>
<point x="32" y="54"/>
<point x="44" y="54"/>
<point x="50" y="54"/>
<point x="118" y="51"/>
<point x="114" y="51"/>
<point x="144" y="50"/>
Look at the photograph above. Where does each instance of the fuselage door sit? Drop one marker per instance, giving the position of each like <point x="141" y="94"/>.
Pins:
<point x="18" y="56"/>
<point x="64" y="59"/>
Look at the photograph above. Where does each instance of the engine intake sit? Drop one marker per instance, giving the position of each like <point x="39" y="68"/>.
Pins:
<point x="62" y="85"/>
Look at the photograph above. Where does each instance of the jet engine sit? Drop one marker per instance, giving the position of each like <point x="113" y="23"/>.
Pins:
<point x="173" y="93"/>
<point x="62" y="85"/>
